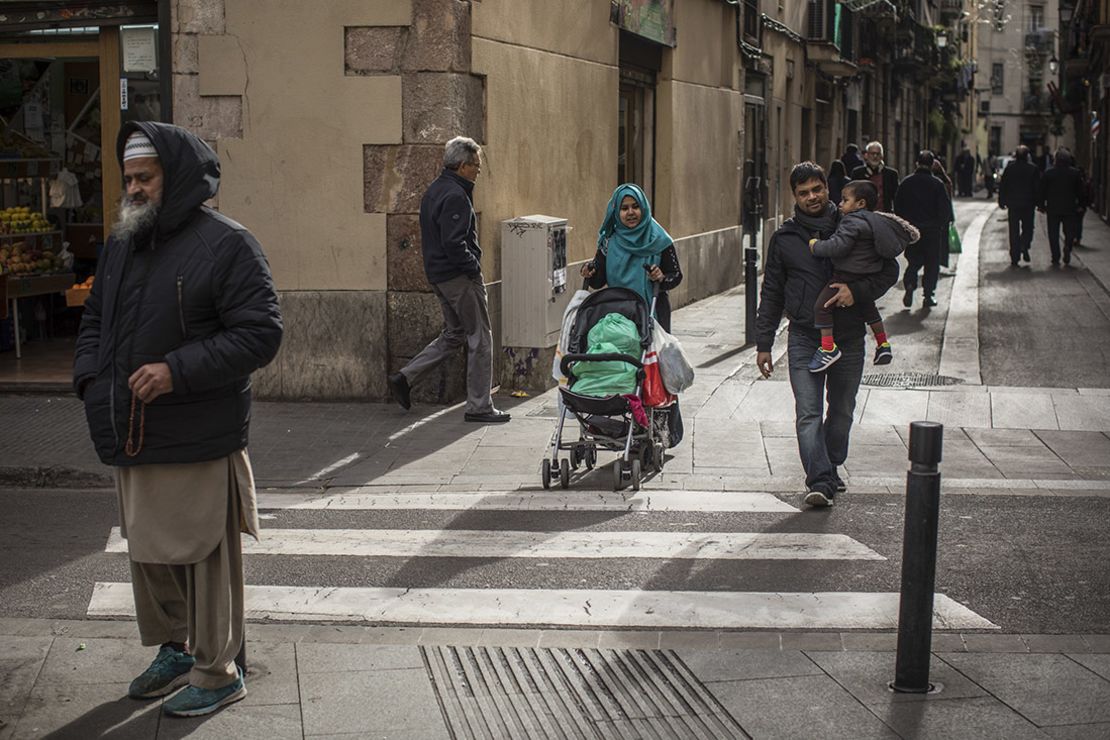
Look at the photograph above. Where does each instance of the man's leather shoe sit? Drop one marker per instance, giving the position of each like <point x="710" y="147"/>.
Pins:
<point x="907" y="299"/>
<point x="493" y="417"/>
<point x="399" y="389"/>
<point x="1025" y="255"/>
<point x="929" y="301"/>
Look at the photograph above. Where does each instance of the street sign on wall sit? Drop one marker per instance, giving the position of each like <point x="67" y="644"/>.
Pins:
<point x="652" y="19"/>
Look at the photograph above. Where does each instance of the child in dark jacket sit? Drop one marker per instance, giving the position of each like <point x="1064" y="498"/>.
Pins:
<point x="862" y="241"/>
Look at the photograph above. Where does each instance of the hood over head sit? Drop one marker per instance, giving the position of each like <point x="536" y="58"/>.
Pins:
<point x="190" y="170"/>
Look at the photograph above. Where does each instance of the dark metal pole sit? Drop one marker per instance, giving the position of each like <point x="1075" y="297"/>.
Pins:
<point x="751" y="255"/>
<point x="919" y="559"/>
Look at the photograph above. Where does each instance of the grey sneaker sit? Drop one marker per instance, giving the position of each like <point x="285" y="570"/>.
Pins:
<point x="169" y="670"/>
<point x="194" y="701"/>
<point x="818" y="499"/>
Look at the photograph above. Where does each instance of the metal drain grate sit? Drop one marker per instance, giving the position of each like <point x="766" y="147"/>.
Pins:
<point x="573" y="693"/>
<point x="909" y="380"/>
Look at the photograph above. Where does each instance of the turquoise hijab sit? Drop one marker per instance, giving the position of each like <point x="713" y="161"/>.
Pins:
<point x="627" y="250"/>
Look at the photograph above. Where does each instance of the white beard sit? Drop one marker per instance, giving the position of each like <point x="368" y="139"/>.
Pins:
<point x="134" y="218"/>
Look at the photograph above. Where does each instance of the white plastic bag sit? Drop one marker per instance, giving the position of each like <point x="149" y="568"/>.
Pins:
<point x="674" y="366"/>
<point x="564" y="336"/>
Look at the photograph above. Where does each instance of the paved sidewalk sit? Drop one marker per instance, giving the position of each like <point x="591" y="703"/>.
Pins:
<point x="68" y="679"/>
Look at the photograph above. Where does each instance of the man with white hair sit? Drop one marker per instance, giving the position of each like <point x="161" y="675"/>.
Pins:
<point x="452" y="262"/>
<point x="885" y="179"/>
<point x="182" y="312"/>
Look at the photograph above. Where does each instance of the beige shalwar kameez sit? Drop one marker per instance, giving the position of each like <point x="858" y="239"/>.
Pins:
<point x="182" y="522"/>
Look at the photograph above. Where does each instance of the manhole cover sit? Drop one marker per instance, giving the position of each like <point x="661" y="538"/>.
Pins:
<point x="909" y="380"/>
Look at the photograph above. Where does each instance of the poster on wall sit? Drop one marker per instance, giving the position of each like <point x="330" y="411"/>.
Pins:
<point x="652" y="19"/>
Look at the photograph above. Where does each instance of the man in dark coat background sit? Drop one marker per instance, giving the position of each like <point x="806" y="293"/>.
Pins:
<point x="1060" y="195"/>
<point x="965" y="173"/>
<point x="1018" y="191"/>
<point x="851" y="159"/>
<point x="923" y="201"/>
<point x="885" y="179"/>
<point x="183" y="310"/>
<point x="792" y="276"/>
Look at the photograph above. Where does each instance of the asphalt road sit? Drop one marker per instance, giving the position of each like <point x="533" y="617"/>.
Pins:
<point x="1030" y="564"/>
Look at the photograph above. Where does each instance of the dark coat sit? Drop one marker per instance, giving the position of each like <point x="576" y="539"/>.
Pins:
<point x="851" y="161"/>
<point x="196" y="295"/>
<point x="1061" y="191"/>
<point x="923" y="201"/>
<point x="890" y="185"/>
<point x="449" y="229"/>
<point x="792" y="279"/>
<point x="1019" y="187"/>
<point x="865" y="240"/>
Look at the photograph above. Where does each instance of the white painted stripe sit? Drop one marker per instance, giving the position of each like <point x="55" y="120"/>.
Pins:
<point x="463" y="543"/>
<point x="330" y="468"/>
<point x="959" y="354"/>
<point x="571" y="608"/>
<point x="742" y="501"/>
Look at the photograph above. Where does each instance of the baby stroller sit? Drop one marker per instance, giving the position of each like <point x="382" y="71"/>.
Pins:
<point x="607" y="422"/>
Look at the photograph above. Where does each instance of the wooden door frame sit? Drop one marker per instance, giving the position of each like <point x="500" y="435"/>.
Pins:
<point x="106" y="50"/>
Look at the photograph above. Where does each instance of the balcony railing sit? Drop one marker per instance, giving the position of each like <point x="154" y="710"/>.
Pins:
<point x="830" y="22"/>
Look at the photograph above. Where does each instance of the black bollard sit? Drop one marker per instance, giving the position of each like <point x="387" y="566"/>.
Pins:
<point x="919" y="559"/>
<point x="751" y="290"/>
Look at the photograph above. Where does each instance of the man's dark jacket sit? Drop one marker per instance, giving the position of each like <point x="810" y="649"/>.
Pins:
<point x="449" y="229"/>
<point x="890" y="184"/>
<point x="196" y="294"/>
<point x="1061" y="191"/>
<point x="923" y="201"/>
<point x="792" y="279"/>
<point x="1019" y="186"/>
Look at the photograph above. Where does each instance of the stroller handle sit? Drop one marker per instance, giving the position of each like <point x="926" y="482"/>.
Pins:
<point x="568" y="360"/>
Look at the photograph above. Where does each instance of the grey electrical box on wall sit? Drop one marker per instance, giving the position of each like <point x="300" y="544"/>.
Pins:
<point x="535" y="286"/>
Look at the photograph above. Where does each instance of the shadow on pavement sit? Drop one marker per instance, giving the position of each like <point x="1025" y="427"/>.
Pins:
<point x="116" y="720"/>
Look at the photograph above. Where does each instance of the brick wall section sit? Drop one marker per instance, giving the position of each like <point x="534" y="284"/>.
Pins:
<point x="440" y="100"/>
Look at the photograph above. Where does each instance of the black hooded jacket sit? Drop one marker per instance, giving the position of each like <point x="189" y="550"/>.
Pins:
<point x="197" y="295"/>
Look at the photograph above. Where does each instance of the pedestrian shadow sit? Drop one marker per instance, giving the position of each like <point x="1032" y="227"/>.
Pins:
<point x="114" y="720"/>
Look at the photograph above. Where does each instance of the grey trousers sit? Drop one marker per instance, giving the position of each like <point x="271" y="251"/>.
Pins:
<point x="465" y="318"/>
<point x="201" y="603"/>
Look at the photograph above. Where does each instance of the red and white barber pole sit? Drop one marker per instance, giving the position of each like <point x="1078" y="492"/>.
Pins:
<point x="1096" y="125"/>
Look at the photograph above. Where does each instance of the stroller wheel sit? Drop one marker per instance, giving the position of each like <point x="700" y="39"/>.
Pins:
<point x="617" y="477"/>
<point x="564" y="473"/>
<point x="575" y="456"/>
<point x="590" y="458"/>
<point x="637" y="469"/>
<point x="657" y="457"/>
<point x="545" y="473"/>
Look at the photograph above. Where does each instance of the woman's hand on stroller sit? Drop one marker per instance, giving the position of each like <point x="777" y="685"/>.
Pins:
<point x="588" y="269"/>
<point x="654" y="273"/>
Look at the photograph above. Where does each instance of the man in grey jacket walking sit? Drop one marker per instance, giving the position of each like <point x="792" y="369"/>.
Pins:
<point x="452" y="262"/>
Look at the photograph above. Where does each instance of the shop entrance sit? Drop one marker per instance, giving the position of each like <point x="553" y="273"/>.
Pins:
<point x="63" y="96"/>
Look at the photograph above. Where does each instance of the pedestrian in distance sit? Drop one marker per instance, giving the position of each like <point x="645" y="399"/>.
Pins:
<point x="1018" y="190"/>
<point x="791" y="276"/>
<point x="965" y="172"/>
<point x="941" y="174"/>
<point x="885" y="179"/>
<point x="851" y="159"/>
<point x="838" y="178"/>
<point x="452" y="263"/>
<point x="923" y="201"/>
<point x="182" y="312"/>
<point x="635" y="252"/>
<point x="1084" y="203"/>
<point x="861" y="244"/>
<point x="1060" y="196"/>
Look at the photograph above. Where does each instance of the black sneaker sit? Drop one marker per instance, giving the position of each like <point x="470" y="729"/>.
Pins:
<point x="929" y="302"/>
<point x="907" y="299"/>
<point x="883" y="354"/>
<point x="399" y="389"/>
<point x="493" y="417"/>
<point x="1025" y="255"/>
<point x="841" y="486"/>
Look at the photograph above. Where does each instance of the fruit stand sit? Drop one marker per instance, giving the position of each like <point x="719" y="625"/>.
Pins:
<point x="30" y="246"/>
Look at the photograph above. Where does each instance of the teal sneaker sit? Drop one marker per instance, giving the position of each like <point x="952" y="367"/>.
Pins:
<point x="169" y="670"/>
<point x="193" y="701"/>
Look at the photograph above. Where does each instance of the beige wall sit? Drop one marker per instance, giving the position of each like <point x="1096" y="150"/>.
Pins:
<point x="295" y="178"/>
<point x="552" y="143"/>
<point x="571" y="27"/>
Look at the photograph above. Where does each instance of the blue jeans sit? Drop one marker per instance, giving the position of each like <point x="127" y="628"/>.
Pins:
<point x="823" y="434"/>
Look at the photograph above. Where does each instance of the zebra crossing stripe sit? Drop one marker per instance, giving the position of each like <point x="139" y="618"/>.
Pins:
<point x="484" y="543"/>
<point x="740" y="502"/>
<point x="571" y="608"/>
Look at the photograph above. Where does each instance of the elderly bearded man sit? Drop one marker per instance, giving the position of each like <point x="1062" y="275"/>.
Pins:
<point x="182" y="312"/>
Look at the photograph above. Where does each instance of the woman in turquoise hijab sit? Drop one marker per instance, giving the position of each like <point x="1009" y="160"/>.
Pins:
<point x="634" y="252"/>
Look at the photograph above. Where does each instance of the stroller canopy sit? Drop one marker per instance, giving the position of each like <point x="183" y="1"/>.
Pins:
<point x="625" y="302"/>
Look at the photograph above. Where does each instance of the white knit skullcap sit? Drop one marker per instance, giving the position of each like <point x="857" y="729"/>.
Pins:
<point x="138" y="145"/>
